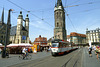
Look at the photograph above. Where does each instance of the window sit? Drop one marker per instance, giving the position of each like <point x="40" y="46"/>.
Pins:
<point x="57" y="24"/>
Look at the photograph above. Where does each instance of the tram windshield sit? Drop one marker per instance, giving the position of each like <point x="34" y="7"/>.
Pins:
<point x="55" y="44"/>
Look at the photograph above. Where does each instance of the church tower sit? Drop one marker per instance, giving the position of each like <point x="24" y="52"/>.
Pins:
<point x="19" y="28"/>
<point x="27" y="27"/>
<point x="59" y="30"/>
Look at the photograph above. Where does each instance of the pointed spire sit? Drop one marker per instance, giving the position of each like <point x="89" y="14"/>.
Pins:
<point x="59" y="3"/>
<point x="2" y="18"/>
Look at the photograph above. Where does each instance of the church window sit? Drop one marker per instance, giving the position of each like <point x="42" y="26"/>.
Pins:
<point x="57" y="24"/>
<point x="58" y="36"/>
<point x="61" y="25"/>
<point x="60" y="14"/>
<point x="57" y="15"/>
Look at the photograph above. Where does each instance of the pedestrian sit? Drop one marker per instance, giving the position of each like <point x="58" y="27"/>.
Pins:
<point x="90" y="51"/>
<point x="98" y="51"/>
<point x="35" y="51"/>
<point x="41" y="49"/>
<point x="0" y="50"/>
<point x="94" y="48"/>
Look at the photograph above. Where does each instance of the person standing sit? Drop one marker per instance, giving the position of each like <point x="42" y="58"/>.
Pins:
<point x="0" y="50"/>
<point x="90" y="51"/>
<point x="94" y="48"/>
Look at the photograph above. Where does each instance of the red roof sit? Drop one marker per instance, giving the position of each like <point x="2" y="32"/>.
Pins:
<point x="77" y="34"/>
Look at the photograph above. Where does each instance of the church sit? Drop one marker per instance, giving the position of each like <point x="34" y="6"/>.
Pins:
<point x="20" y="33"/>
<point x="5" y="28"/>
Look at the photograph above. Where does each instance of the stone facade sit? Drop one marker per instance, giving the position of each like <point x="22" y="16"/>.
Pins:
<point x="2" y="33"/>
<point x="59" y="30"/>
<point x="93" y="35"/>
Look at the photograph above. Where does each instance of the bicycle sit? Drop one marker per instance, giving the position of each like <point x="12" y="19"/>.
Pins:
<point x="22" y="57"/>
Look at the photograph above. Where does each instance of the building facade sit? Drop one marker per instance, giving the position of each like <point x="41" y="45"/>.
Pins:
<point x="76" y="38"/>
<point x="13" y="34"/>
<point x="5" y="29"/>
<point x="59" y="14"/>
<point x="42" y="41"/>
<point x="20" y="33"/>
<point x="93" y="35"/>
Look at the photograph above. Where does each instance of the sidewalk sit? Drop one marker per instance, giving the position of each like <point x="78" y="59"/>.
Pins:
<point x="90" y="61"/>
<point x="5" y="62"/>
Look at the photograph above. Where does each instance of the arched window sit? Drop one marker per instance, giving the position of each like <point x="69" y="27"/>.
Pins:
<point x="60" y="14"/>
<point x="57" y="15"/>
<point x="57" y="24"/>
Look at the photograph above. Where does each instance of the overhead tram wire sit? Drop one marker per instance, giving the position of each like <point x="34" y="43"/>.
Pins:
<point x="82" y="4"/>
<point x="68" y="17"/>
<point x="70" y="21"/>
<point x="77" y="5"/>
<point x="29" y="12"/>
<point x="85" y="11"/>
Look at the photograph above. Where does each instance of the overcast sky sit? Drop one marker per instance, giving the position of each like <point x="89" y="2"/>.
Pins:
<point x="82" y="14"/>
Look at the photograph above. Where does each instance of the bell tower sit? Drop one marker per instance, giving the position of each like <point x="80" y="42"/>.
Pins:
<point x="59" y="30"/>
<point x="19" y="28"/>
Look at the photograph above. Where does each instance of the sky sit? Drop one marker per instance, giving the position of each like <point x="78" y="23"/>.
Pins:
<point x="80" y="14"/>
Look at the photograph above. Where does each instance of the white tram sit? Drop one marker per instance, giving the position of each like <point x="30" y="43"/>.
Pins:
<point x="60" y="47"/>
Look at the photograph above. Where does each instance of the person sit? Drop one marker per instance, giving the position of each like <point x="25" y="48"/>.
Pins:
<point x="41" y="49"/>
<point x="0" y="50"/>
<point x="35" y="51"/>
<point x="90" y="51"/>
<point x="25" y="52"/>
<point x="94" y="48"/>
<point x="98" y="51"/>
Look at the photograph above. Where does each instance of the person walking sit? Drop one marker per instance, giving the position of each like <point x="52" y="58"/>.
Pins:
<point x="98" y="51"/>
<point x="90" y="51"/>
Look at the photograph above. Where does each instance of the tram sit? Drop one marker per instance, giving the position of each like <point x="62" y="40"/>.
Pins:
<point x="60" y="47"/>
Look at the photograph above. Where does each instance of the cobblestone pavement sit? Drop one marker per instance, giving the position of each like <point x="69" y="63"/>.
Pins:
<point x="5" y="62"/>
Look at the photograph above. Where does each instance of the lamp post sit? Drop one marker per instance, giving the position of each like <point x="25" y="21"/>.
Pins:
<point x="8" y="26"/>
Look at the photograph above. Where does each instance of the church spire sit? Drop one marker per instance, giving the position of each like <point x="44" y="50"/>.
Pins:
<point x="59" y="3"/>
<point x="2" y="17"/>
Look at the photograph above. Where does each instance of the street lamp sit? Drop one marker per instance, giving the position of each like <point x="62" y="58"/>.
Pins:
<point x="8" y="26"/>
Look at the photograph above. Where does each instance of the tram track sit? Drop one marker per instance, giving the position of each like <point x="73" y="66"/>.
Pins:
<point x="76" y="58"/>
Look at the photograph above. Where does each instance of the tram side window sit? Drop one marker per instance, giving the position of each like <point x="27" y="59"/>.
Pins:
<point x="60" y="45"/>
<point x="65" y="45"/>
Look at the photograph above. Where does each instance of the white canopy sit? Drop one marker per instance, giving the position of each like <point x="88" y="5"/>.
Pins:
<point x="20" y="45"/>
<point x="0" y="44"/>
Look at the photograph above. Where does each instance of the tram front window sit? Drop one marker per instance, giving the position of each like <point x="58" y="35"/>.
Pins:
<point x="54" y="44"/>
